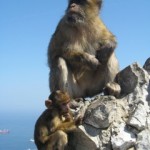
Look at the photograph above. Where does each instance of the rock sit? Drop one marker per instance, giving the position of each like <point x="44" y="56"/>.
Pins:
<point x="140" y="93"/>
<point x="121" y="138"/>
<point x="147" y="65"/>
<point x="138" y="99"/>
<point x="127" y="79"/>
<point x="131" y="77"/>
<point x="148" y="121"/>
<point x="105" y="138"/>
<point x="147" y="68"/>
<point x="77" y="140"/>
<point x="99" y="113"/>
<point x="138" y="118"/>
<point x="148" y="97"/>
<point x="78" y="108"/>
<point x="121" y="123"/>
<point x="92" y="133"/>
<point x="132" y="148"/>
<point x="143" y="140"/>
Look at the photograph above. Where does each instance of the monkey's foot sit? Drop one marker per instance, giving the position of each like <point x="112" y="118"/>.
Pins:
<point x="78" y="107"/>
<point x="112" y="88"/>
<point x="75" y="103"/>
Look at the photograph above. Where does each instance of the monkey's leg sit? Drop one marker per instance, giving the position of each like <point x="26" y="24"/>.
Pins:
<point x="61" y="78"/>
<point x="106" y="49"/>
<point x="62" y="140"/>
<point x="57" y="141"/>
<point x="104" y="54"/>
<point x="112" y="88"/>
<point x="77" y="59"/>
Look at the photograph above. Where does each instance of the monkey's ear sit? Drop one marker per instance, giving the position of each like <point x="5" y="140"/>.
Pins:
<point x="48" y="103"/>
<point x="100" y="3"/>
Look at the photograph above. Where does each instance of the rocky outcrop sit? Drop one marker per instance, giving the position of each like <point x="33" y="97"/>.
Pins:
<point x="121" y="123"/>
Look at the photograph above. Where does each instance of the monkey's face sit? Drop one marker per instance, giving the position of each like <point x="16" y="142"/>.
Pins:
<point x="75" y="12"/>
<point x="79" y="11"/>
<point x="64" y="108"/>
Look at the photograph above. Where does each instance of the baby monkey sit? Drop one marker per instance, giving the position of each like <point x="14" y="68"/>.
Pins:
<point x="55" y="122"/>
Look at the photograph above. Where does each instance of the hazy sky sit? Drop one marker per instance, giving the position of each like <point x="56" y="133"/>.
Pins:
<point x="26" y="27"/>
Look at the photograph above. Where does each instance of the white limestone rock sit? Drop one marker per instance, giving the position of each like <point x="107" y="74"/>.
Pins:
<point x="138" y="118"/>
<point x="121" y="138"/>
<point x="99" y="113"/>
<point x="143" y="140"/>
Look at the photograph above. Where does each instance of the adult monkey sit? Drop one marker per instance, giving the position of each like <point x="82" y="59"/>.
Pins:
<point x="81" y="52"/>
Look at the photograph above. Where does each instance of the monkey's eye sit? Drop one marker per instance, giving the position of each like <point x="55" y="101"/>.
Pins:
<point x="66" y="104"/>
<point x="77" y="1"/>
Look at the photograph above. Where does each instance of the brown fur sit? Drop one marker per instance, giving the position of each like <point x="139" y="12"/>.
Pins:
<point x="81" y="52"/>
<point x="53" y="124"/>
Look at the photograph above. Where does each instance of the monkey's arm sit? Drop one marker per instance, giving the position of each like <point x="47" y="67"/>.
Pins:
<point x="107" y="43"/>
<point x="70" y="125"/>
<point x="43" y="135"/>
<point x="105" y="50"/>
<point x="57" y="124"/>
<point x="79" y="57"/>
<point x="67" y="126"/>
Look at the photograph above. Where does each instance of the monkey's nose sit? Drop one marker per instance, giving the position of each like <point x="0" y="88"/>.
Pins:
<point x="72" y="5"/>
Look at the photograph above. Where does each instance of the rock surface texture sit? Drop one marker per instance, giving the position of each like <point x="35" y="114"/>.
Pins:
<point x="121" y="123"/>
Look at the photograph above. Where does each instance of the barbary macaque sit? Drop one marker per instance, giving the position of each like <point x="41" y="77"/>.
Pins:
<point x="55" y="122"/>
<point x="81" y="52"/>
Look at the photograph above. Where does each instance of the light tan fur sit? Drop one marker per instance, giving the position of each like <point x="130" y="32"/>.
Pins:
<point x="81" y="54"/>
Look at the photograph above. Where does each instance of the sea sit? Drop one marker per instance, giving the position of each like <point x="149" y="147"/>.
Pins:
<point x="19" y="129"/>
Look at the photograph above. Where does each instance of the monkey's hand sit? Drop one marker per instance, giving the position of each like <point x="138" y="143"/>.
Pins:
<point x="103" y="55"/>
<point x="92" y="61"/>
<point x="105" y="51"/>
<point x="67" y="117"/>
<point x="53" y="129"/>
<point x="74" y="104"/>
<point x="81" y="59"/>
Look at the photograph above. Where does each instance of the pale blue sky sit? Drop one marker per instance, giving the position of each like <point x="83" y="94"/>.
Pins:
<point x="25" y="30"/>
